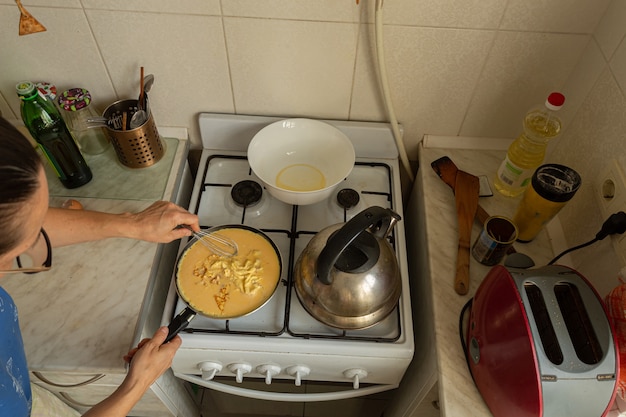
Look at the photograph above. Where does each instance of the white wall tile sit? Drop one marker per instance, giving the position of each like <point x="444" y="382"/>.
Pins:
<point x="596" y="136"/>
<point x="618" y="65"/>
<point x="432" y="75"/>
<point x="185" y="53"/>
<point x="33" y="4"/>
<point x="612" y="28"/>
<point x="564" y="16"/>
<point x="297" y="57"/>
<point x="319" y="10"/>
<point x="193" y="7"/>
<point x="476" y="14"/>
<point x="579" y="84"/>
<point x="520" y="72"/>
<point x="65" y="55"/>
<point x="282" y="67"/>
<point x="367" y="98"/>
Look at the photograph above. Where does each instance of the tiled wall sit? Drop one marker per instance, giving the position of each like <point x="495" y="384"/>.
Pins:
<point x="595" y="136"/>
<point x="469" y="68"/>
<point x="455" y="67"/>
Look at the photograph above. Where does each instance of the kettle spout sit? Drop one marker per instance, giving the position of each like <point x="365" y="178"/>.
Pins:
<point x="394" y="218"/>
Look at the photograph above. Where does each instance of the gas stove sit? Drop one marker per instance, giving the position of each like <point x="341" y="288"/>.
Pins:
<point x="281" y="341"/>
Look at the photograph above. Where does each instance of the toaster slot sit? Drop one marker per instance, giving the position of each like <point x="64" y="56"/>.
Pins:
<point x="547" y="335"/>
<point x="578" y="324"/>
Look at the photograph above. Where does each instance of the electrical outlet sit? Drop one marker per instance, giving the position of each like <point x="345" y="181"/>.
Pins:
<point x="610" y="190"/>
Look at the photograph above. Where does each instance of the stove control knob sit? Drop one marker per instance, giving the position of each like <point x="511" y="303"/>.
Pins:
<point x="269" y="371"/>
<point x="239" y="369"/>
<point x="356" y="375"/>
<point x="209" y="369"/>
<point x="298" y="371"/>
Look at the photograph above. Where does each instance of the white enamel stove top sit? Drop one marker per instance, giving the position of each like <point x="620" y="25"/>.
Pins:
<point x="281" y="340"/>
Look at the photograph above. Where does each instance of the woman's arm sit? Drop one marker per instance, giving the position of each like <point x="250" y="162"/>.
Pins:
<point x="147" y="363"/>
<point x="157" y="224"/>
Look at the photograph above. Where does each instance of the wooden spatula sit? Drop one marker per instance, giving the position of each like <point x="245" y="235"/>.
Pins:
<point x="447" y="170"/>
<point x="466" y="190"/>
<point x="28" y="24"/>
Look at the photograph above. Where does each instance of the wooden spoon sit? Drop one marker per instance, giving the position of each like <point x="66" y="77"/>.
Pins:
<point x="28" y="24"/>
<point x="466" y="190"/>
<point x="447" y="171"/>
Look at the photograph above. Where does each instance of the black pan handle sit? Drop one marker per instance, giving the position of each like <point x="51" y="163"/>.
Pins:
<point x="179" y="323"/>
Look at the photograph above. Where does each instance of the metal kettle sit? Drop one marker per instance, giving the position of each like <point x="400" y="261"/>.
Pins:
<point x="348" y="277"/>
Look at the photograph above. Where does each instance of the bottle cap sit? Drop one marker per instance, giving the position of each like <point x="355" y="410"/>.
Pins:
<point x="24" y="88"/>
<point x="555" y="101"/>
<point x="74" y="99"/>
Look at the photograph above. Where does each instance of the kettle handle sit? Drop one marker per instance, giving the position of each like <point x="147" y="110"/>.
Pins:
<point x="338" y="242"/>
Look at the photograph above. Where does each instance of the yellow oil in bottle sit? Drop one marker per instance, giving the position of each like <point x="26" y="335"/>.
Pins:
<point x="526" y="153"/>
<point x="301" y="177"/>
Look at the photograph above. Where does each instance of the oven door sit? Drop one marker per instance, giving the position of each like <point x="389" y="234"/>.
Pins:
<point x="221" y="362"/>
<point x="286" y="396"/>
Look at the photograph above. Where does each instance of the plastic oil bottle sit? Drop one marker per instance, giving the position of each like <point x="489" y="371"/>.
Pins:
<point x="527" y="152"/>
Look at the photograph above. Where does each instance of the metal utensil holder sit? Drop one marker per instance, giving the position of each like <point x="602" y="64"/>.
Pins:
<point x="135" y="148"/>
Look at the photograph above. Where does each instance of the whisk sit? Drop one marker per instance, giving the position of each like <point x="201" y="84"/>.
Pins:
<point x="218" y="244"/>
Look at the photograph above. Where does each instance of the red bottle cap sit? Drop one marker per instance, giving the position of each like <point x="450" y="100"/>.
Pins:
<point x="555" y="101"/>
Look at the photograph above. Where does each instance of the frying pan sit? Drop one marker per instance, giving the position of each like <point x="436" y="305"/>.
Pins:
<point x="182" y="320"/>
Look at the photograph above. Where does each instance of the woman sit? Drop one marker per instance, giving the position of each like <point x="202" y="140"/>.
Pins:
<point x="29" y="227"/>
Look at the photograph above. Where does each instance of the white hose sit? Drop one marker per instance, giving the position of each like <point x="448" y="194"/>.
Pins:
<point x="382" y="70"/>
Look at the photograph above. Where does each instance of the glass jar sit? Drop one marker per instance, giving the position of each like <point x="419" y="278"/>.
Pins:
<point x="75" y="103"/>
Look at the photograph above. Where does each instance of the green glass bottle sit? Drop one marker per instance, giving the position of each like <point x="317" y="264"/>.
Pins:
<point x="47" y="127"/>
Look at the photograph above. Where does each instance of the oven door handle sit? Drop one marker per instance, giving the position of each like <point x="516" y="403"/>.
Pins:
<point x="281" y="396"/>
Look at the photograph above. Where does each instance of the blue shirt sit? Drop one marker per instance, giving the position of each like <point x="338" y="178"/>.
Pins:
<point x="15" y="393"/>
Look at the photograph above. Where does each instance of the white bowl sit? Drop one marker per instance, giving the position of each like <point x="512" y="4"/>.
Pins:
<point x="301" y="161"/>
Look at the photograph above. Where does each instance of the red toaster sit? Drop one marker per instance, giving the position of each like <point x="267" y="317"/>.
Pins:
<point x="539" y="343"/>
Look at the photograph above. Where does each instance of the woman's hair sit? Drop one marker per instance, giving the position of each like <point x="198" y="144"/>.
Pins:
<point x="19" y="180"/>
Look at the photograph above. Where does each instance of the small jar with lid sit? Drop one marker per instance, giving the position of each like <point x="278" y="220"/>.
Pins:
<point x="47" y="89"/>
<point x="50" y="93"/>
<point x="75" y="103"/>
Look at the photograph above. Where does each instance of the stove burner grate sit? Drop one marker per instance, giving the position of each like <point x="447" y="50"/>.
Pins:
<point x="247" y="193"/>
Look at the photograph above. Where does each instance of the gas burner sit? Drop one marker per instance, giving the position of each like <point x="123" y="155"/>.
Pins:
<point x="346" y="203"/>
<point x="247" y="199"/>
<point x="246" y="193"/>
<point x="348" y="198"/>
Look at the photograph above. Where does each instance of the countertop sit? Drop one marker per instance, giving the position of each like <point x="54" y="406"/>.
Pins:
<point x="458" y="396"/>
<point x="88" y="310"/>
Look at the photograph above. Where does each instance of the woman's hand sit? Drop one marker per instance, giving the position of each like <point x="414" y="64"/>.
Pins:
<point x="129" y="356"/>
<point x="159" y="222"/>
<point x="147" y="361"/>
<point x="151" y="357"/>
